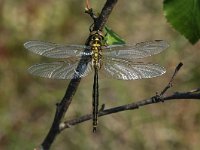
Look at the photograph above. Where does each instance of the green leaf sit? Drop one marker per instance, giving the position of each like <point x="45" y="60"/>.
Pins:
<point x="184" y="16"/>
<point x="112" y="38"/>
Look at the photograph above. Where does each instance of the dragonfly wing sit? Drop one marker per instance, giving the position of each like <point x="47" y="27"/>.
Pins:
<point x="128" y="70"/>
<point x="140" y="50"/>
<point x="53" y="50"/>
<point x="61" y="70"/>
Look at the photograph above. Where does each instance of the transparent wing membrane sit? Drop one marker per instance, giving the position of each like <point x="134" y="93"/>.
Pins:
<point x="118" y="61"/>
<point x="61" y="70"/>
<point x="53" y="50"/>
<point x="128" y="70"/>
<point x="140" y="50"/>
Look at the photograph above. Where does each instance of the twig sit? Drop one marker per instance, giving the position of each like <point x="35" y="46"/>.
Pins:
<point x="63" y="106"/>
<point x="103" y="17"/>
<point x="172" y="78"/>
<point x="131" y="106"/>
<point x="87" y="4"/>
<point x="193" y="94"/>
<point x="91" y="13"/>
<point x="157" y="98"/>
<point x="100" y="21"/>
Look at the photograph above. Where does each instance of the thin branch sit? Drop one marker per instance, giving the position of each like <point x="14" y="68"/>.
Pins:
<point x="103" y="17"/>
<point x="131" y="106"/>
<point x="172" y="78"/>
<point x="63" y="106"/>
<point x="60" y="111"/>
<point x="87" y="4"/>
<point x="100" y="21"/>
<point x="193" y="94"/>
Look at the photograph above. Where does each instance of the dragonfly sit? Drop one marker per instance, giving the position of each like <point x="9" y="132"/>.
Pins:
<point x="112" y="61"/>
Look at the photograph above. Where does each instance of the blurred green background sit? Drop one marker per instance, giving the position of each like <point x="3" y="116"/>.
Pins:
<point x="27" y="103"/>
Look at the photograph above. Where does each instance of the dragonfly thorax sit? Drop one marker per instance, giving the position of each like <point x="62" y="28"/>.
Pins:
<point x="95" y="44"/>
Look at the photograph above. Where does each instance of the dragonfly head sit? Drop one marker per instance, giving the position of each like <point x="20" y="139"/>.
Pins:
<point x="96" y="36"/>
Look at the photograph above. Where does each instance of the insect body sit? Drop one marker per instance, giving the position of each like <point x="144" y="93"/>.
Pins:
<point x="114" y="61"/>
<point x="96" y="44"/>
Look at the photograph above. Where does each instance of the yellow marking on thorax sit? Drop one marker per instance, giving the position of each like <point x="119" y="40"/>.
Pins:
<point x="96" y="43"/>
<point x="96" y="55"/>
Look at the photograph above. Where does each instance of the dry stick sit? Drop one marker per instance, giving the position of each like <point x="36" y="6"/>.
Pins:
<point x="103" y="17"/>
<point x="131" y="106"/>
<point x="169" y="85"/>
<point x="87" y="4"/>
<point x="99" y="22"/>
<point x="193" y="94"/>
<point x="62" y="107"/>
<point x="172" y="78"/>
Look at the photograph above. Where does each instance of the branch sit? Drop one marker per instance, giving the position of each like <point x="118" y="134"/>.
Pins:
<point x="63" y="106"/>
<point x="131" y="106"/>
<point x="100" y="21"/>
<point x="172" y="78"/>
<point x="193" y="94"/>
<point x="103" y="17"/>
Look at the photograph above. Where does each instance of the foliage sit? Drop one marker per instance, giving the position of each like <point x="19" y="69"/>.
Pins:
<point x="184" y="16"/>
<point x="112" y="38"/>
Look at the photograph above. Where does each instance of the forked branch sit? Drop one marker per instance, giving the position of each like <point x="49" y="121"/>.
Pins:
<point x="191" y="95"/>
<point x="63" y="106"/>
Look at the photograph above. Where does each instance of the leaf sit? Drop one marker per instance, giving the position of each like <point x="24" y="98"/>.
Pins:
<point x="112" y="38"/>
<point x="184" y="16"/>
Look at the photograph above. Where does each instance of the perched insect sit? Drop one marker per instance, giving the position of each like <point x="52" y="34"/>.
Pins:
<point x="115" y="61"/>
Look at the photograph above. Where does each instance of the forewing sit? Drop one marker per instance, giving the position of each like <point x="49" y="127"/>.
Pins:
<point x="140" y="50"/>
<point x="127" y="70"/>
<point x="53" y="50"/>
<point x="61" y="70"/>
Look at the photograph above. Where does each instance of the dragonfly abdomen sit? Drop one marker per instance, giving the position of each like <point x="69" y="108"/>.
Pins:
<point x="96" y="44"/>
